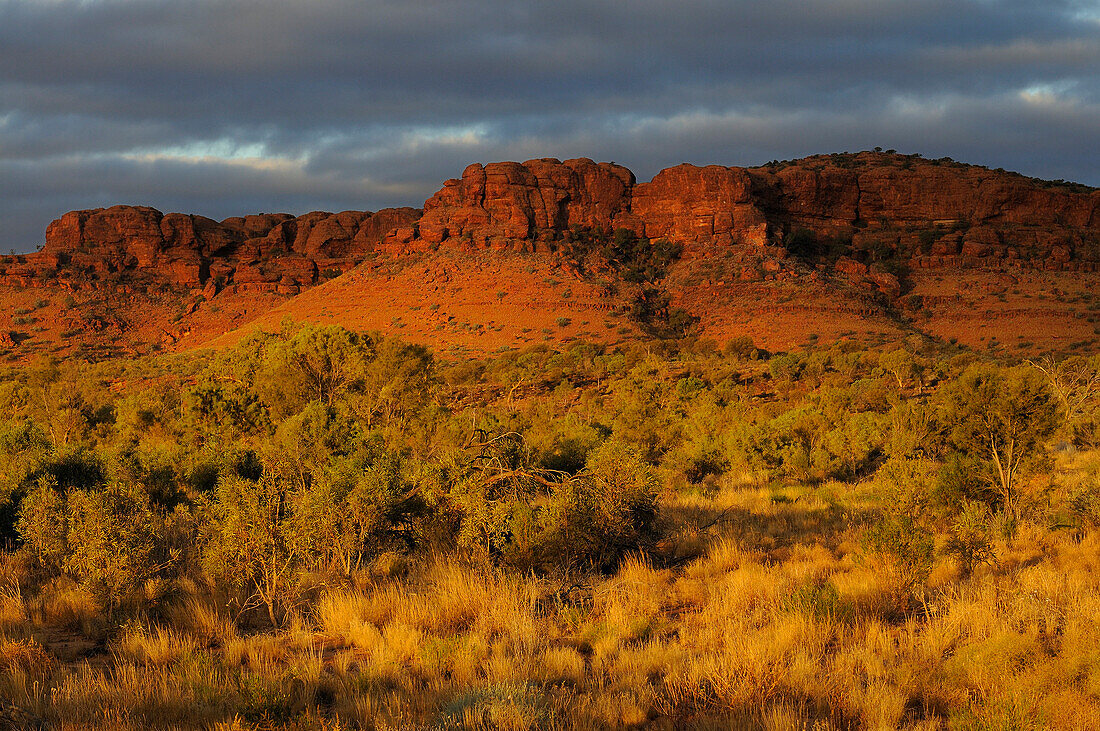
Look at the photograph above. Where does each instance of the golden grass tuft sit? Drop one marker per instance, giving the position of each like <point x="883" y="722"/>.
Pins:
<point x="26" y="656"/>
<point x="64" y="603"/>
<point x="201" y="619"/>
<point x="157" y="646"/>
<point x="13" y="611"/>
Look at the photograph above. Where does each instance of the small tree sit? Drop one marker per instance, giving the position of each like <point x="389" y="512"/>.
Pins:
<point x="1075" y="383"/>
<point x="902" y="551"/>
<point x="111" y="540"/>
<point x="1003" y="417"/>
<point x="347" y="514"/>
<point x="604" y="512"/>
<point x="246" y="541"/>
<point x="105" y="538"/>
<point x="970" y="538"/>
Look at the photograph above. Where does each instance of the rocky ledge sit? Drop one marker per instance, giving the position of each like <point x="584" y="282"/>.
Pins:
<point x="860" y="215"/>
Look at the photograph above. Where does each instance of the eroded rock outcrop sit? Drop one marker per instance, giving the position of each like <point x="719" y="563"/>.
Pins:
<point x="866" y="211"/>
<point x="509" y="201"/>
<point x="706" y="206"/>
<point x="187" y="250"/>
<point x="934" y="213"/>
<point x="928" y="212"/>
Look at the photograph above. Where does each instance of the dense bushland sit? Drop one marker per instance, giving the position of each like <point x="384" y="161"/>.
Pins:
<point x="549" y="538"/>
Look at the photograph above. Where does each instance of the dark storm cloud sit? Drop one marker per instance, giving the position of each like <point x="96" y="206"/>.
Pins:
<point x="231" y="107"/>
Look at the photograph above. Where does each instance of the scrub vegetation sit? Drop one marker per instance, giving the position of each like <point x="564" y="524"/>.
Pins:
<point x="322" y="529"/>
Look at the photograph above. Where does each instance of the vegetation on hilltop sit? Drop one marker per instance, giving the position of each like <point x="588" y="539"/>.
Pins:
<point x="327" y="529"/>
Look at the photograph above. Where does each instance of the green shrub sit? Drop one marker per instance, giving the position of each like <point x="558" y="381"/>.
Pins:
<point x="970" y="539"/>
<point x="598" y="517"/>
<point x="104" y="538"/>
<point x="903" y="551"/>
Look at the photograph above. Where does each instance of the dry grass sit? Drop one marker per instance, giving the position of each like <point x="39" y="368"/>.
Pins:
<point x="13" y="611"/>
<point x="63" y="603"/>
<point x="777" y="623"/>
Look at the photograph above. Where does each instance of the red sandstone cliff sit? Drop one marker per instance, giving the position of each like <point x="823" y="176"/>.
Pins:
<point x="510" y="201"/>
<point x="867" y="207"/>
<point x="188" y="250"/>
<point x="925" y="212"/>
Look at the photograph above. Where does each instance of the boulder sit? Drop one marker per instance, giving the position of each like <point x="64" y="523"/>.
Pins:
<point x="850" y="268"/>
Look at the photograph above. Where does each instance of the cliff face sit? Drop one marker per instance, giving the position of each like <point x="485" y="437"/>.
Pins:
<point x="508" y="201"/>
<point x="862" y="208"/>
<point x="935" y="213"/>
<point x="925" y="213"/>
<point x="871" y="186"/>
<point x="277" y="249"/>
<point x="711" y="205"/>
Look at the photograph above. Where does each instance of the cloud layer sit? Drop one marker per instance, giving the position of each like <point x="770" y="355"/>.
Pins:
<point x="223" y="107"/>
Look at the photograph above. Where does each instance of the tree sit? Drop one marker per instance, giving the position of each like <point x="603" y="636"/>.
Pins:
<point x="246" y="542"/>
<point x="396" y="383"/>
<point x="309" y="363"/>
<point x="1003" y="417"/>
<point x="904" y="368"/>
<point x="1075" y="383"/>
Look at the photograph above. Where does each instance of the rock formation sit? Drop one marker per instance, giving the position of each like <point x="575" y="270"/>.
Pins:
<point x="187" y="250"/>
<point x="856" y="213"/>
<point x="508" y="201"/>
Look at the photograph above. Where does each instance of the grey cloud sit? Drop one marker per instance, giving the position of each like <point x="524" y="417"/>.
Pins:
<point x="375" y="103"/>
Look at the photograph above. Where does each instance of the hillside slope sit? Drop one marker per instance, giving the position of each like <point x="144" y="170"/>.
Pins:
<point x="866" y="245"/>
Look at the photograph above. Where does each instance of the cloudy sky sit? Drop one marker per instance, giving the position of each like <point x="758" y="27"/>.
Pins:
<point x="224" y="107"/>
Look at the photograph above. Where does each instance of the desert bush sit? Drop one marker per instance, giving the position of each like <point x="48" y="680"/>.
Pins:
<point x="104" y="538"/>
<point x="24" y="449"/>
<point x="563" y="445"/>
<point x="633" y="532"/>
<point x="741" y="347"/>
<point x="787" y="366"/>
<point x="246" y="543"/>
<point x="908" y="486"/>
<point x="638" y="258"/>
<point x="1002" y="418"/>
<point x="523" y="516"/>
<point x="903" y="551"/>
<point x="599" y="516"/>
<point x="961" y="479"/>
<point x="970" y="537"/>
<point x="352" y="512"/>
<point x="915" y="430"/>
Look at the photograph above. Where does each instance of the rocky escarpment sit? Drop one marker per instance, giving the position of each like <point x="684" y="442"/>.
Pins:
<point x="926" y="211"/>
<point x="504" y="203"/>
<point x="141" y="245"/>
<point x="933" y="213"/>
<point x="511" y="205"/>
<point x="860" y="217"/>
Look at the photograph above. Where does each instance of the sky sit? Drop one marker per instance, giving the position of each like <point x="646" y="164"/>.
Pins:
<point x="228" y="107"/>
